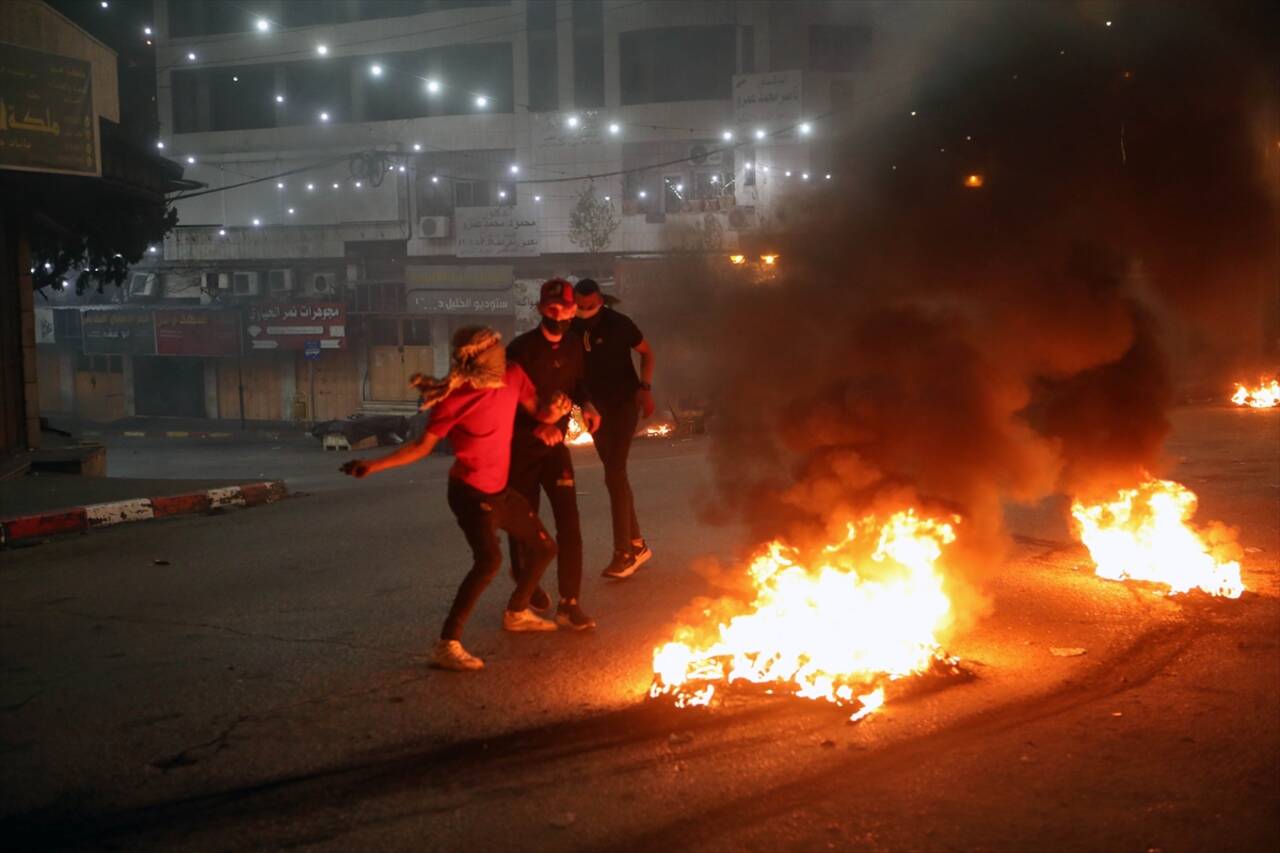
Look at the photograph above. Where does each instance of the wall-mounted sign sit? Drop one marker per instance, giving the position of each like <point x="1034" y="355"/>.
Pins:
<point x="497" y="232"/>
<point x="771" y="100"/>
<point x="461" y="301"/>
<point x="289" y="325"/>
<point x="125" y="331"/>
<point x="47" y="119"/>
<point x="212" y="333"/>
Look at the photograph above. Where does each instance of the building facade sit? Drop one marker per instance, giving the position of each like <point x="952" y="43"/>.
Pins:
<point x="406" y="167"/>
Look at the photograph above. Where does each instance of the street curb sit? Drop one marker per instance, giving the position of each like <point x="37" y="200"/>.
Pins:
<point x="92" y="516"/>
<point x="133" y="433"/>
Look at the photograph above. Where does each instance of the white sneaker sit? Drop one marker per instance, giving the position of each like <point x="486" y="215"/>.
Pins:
<point x="525" y="620"/>
<point x="449" y="654"/>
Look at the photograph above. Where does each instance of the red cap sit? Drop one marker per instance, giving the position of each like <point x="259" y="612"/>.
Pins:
<point x="556" y="291"/>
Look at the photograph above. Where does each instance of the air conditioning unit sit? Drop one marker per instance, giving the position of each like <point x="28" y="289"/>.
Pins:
<point x="742" y="218"/>
<point x="244" y="283"/>
<point x="435" y="226"/>
<point x="279" y="281"/>
<point x="322" y="284"/>
<point x="142" y="284"/>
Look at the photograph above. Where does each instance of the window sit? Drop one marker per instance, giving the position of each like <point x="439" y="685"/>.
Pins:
<point x="374" y="296"/>
<point x="588" y="53"/>
<point x="312" y="87"/>
<point x="240" y="97"/>
<point x="66" y="324"/>
<point x="543" y="74"/>
<point x="482" y="193"/>
<point x="677" y="64"/>
<point x="308" y="13"/>
<point x="186" y="115"/>
<point x="208" y="18"/>
<point x="835" y="49"/>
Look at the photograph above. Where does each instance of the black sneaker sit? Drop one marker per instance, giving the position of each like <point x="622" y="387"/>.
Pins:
<point x="623" y="565"/>
<point x="540" y="601"/>
<point x="570" y="615"/>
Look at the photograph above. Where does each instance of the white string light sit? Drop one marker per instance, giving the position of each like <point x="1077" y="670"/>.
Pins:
<point x="727" y="136"/>
<point x="322" y="49"/>
<point x="256" y="222"/>
<point x="417" y="146"/>
<point x="291" y="211"/>
<point x="263" y="25"/>
<point x="191" y="57"/>
<point x="324" y="116"/>
<point x="572" y="121"/>
<point x="615" y="128"/>
<point x="279" y="99"/>
<point x="482" y="101"/>
<point x="222" y="232"/>
<point x="146" y="31"/>
<point x="279" y="185"/>
<point x="160" y="144"/>
<point x="433" y="86"/>
<point x="515" y="168"/>
<point x="805" y="128"/>
<point x="375" y="69"/>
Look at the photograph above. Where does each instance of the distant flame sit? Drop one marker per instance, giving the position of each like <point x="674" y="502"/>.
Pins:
<point x="1146" y="534"/>
<point x="658" y="430"/>
<point x="1264" y="395"/>
<point x="833" y="624"/>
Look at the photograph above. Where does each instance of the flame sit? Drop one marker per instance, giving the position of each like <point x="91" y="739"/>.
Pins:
<point x="1146" y="534"/>
<point x="658" y="430"/>
<point x="973" y="181"/>
<point x="1265" y="395"/>
<point x="577" y="435"/>
<point x="852" y="616"/>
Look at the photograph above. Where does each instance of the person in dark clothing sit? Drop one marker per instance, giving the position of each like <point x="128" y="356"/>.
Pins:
<point x="608" y="338"/>
<point x="475" y="407"/>
<point x="554" y="361"/>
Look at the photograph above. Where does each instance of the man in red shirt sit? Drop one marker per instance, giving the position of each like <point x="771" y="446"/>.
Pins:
<point x="475" y="406"/>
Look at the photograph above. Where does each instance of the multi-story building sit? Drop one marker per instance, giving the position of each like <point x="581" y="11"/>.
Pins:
<point x="380" y="172"/>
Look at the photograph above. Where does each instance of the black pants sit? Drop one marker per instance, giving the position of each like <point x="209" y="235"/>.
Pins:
<point x="613" y="445"/>
<point x="536" y="468"/>
<point x="481" y="516"/>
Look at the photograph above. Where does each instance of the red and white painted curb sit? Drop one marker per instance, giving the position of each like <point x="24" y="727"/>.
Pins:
<point x="83" y="518"/>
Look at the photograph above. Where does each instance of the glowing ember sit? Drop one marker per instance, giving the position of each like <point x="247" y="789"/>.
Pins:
<point x="1146" y="534"/>
<point x="658" y="430"/>
<point x="834" y="624"/>
<point x="1265" y="395"/>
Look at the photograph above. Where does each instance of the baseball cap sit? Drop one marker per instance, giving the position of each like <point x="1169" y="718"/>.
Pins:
<point x="556" y="291"/>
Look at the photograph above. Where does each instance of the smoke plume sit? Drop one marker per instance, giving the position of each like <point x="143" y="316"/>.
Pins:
<point x="960" y="347"/>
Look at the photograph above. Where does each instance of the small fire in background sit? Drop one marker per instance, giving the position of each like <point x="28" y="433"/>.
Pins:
<point x="1264" y="395"/>
<point x="1146" y="534"/>
<point x="836" y="623"/>
<point x="577" y="435"/>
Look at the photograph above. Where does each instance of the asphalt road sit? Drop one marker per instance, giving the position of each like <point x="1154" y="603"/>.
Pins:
<point x="265" y="687"/>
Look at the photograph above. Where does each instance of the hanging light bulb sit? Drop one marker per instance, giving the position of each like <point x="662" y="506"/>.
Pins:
<point x="279" y="99"/>
<point x="615" y="128"/>
<point x="256" y="222"/>
<point x="322" y="49"/>
<point x="417" y="146"/>
<point x="482" y="101"/>
<point x="433" y="86"/>
<point x="727" y="136"/>
<point x="760" y="134"/>
<point x="375" y="69"/>
<point x="324" y="116"/>
<point x="572" y="121"/>
<point x="263" y="25"/>
<point x="805" y="128"/>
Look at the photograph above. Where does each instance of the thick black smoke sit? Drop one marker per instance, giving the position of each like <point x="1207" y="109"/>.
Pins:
<point x="960" y="347"/>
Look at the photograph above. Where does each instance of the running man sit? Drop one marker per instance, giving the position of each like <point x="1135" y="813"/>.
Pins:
<point x="608" y="337"/>
<point x="475" y="406"/>
<point x="553" y="360"/>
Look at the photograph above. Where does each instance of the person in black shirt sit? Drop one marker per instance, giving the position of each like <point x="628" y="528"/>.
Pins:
<point x="608" y="337"/>
<point x="554" y="361"/>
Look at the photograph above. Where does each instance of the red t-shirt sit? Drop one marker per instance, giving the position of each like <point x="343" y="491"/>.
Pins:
<point x="479" y="422"/>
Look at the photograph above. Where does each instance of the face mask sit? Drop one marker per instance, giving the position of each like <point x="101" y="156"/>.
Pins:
<point x="555" y="327"/>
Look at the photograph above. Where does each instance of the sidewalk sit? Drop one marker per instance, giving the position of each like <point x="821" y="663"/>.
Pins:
<point x="41" y="505"/>
<point x="182" y="428"/>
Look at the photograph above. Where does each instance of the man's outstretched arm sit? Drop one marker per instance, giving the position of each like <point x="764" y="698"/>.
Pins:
<point x="403" y="455"/>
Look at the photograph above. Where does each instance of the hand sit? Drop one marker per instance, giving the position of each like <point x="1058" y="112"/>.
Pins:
<point x="358" y="468"/>
<point x="559" y="405"/>
<point x="549" y="433"/>
<point x="590" y="418"/>
<point x="644" y="401"/>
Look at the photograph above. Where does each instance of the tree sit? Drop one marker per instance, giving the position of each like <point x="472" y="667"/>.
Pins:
<point x="591" y="222"/>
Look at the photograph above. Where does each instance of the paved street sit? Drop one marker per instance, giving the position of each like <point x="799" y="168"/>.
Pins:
<point x="256" y="680"/>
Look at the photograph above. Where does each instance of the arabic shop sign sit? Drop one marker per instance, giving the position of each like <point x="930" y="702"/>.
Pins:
<point x="289" y="325"/>
<point x="211" y="333"/>
<point x="461" y="301"/>
<point x="118" y="331"/>
<point x="769" y="99"/>
<point x="503" y="231"/>
<point x="47" y="120"/>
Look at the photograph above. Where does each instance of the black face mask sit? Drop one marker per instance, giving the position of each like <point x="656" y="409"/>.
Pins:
<point x="555" y="327"/>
